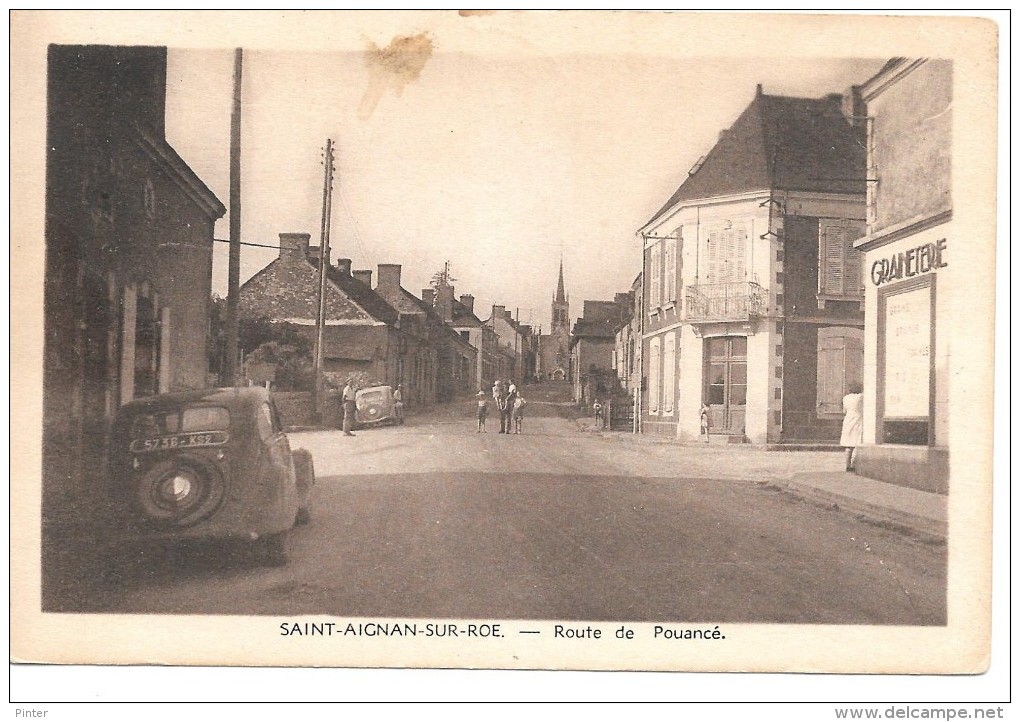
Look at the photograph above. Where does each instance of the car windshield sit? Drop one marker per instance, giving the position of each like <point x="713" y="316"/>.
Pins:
<point x="197" y="418"/>
<point x="372" y="395"/>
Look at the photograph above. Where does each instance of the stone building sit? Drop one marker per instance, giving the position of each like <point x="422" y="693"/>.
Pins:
<point x="361" y="334"/>
<point x="593" y="346"/>
<point x="129" y="243"/>
<point x="752" y="286"/>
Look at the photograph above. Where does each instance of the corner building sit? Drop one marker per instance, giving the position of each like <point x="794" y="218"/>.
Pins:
<point x="752" y="293"/>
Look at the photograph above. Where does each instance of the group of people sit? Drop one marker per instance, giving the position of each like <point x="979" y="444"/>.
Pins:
<point x="509" y="403"/>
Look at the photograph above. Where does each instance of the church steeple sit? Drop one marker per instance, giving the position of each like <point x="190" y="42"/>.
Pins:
<point x="560" y="306"/>
<point x="560" y="296"/>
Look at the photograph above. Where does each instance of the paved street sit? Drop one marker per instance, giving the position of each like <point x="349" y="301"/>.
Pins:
<point x="432" y="519"/>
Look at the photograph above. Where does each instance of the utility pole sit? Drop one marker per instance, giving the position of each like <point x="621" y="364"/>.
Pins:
<point x="517" y="334"/>
<point x="230" y="370"/>
<point x="324" y="260"/>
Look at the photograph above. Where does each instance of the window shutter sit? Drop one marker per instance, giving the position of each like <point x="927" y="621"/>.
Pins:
<point x="831" y="256"/>
<point x="830" y="375"/>
<point x="712" y="253"/>
<point x="840" y="364"/>
<point x="739" y="264"/>
<point x="670" y="270"/>
<point x="853" y="259"/>
<point x="668" y="367"/>
<point x="655" y="272"/>
<point x="654" y="371"/>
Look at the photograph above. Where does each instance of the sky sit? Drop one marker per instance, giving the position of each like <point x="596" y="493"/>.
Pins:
<point x="500" y="160"/>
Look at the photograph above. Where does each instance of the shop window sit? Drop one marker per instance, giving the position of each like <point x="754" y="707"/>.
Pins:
<point x="840" y="365"/>
<point x="839" y="271"/>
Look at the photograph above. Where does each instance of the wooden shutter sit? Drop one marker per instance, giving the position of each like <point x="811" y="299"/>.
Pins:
<point x="831" y="247"/>
<point x="713" y="255"/>
<point x="739" y="263"/>
<point x="654" y="371"/>
<point x="670" y="294"/>
<point x="840" y="364"/>
<point x="656" y="275"/>
<point x="668" y="373"/>
<point x="853" y="260"/>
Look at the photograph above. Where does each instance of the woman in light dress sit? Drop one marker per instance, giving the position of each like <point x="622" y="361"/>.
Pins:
<point x="853" y="423"/>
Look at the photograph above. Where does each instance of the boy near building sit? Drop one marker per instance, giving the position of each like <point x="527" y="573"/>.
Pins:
<point x="483" y="410"/>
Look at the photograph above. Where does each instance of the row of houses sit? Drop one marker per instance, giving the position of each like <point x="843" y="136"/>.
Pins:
<point x="797" y="259"/>
<point x="433" y="344"/>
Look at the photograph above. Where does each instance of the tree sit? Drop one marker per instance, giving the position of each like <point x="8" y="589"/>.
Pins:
<point x="442" y="277"/>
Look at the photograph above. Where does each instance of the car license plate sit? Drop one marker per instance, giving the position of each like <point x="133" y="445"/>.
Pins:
<point x="179" y="441"/>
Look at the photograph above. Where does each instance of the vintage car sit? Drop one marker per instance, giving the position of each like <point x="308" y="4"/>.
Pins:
<point x="212" y="464"/>
<point x="375" y="405"/>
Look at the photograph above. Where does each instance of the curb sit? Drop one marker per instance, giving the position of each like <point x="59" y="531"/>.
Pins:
<point x="923" y="519"/>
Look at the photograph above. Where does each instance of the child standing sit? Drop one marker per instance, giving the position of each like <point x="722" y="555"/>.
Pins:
<point x="518" y="413"/>
<point x="483" y="411"/>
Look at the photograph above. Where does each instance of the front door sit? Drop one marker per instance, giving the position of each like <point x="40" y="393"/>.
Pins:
<point x="726" y="383"/>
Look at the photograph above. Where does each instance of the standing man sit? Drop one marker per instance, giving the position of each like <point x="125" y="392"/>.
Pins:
<point x="398" y="404"/>
<point x="349" y="397"/>
<point x="506" y="411"/>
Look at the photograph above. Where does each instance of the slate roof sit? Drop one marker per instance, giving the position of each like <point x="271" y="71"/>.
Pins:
<point x="463" y="317"/>
<point x="781" y="143"/>
<point x="372" y="302"/>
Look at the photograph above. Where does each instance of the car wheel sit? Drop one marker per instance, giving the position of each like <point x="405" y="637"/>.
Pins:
<point x="271" y="550"/>
<point x="180" y="492"/>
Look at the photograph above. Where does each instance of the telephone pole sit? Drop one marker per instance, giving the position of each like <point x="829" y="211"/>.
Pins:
<point x="230" y="375"/>
<point x="324" y="260"/>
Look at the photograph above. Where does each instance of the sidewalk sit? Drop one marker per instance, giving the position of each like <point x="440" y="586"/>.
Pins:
<point x="922" y="513"/>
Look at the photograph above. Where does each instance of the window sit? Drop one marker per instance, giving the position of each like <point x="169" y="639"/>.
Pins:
<point x="726" y="254"/>
<point x="264" y="422"/>
<point x="668" y="373"/>
<point x="656" y="274"/>
<point x="839" y="263"/>
<point x="840" y="364"/>
<point x="669" y="293"/>
<point x="654" y="372"/>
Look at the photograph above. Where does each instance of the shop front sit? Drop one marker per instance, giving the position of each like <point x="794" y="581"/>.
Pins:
<point x="908" y="360"/>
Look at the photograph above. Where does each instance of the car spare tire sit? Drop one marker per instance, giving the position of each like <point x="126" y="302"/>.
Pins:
<point x="180" y="492"/>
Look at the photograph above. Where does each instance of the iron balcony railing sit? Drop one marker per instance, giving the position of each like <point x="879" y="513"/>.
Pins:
<point x="739" y="301"/>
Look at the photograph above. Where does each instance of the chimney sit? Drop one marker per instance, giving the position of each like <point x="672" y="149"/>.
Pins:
<point x="344" y="266"/>
<point x="364" y="276"/>
<point x="468" y="302"/>
<point x="294" y="246"/>
<point x="509" y="317"/>
<point x="444" y="302"/>
<point x="428" y="295"/>
<point x="853" y="107"/>
<point x="498" y="312"/>
<point x="389" y="279"/>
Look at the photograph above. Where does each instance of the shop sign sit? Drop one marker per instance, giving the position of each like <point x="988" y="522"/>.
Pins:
<point x="924" y="259"/>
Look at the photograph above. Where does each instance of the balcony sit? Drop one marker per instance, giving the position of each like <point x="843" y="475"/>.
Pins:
<point x="712" y="302"/>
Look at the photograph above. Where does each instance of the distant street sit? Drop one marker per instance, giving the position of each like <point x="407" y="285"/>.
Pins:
<point x="432" y="519"/>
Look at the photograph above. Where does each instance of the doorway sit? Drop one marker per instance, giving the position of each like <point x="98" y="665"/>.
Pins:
<point x="726" y="383"/>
